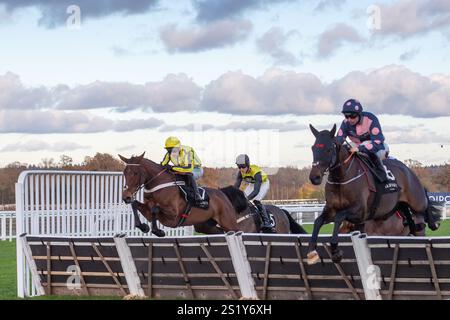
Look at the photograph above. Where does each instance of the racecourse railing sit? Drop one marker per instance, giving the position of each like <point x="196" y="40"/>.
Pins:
<point x="73" y="204"/>
<point x="236" y="266"/>
<point x="7" y="225"/>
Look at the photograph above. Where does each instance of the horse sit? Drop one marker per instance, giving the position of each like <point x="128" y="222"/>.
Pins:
<point x="164" y="203"/>
<point x="249" y="220"/>
<point x="349" y="196"/>
<point x="395" y="224"/>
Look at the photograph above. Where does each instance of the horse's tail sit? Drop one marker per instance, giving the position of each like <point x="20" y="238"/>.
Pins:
<point x="293" y="225"/>
<point x="236" y="197"/>
<point x="434" y="213"/>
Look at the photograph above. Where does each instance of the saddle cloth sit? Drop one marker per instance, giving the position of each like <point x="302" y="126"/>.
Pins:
<point x="188" y="193"/>
<point x="381" y="187"/>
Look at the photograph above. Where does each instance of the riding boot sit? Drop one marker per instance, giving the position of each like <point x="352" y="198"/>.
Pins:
<point x="265" y="227"/>
<point x="197" y="198"/>
<point x="379" y="168"/>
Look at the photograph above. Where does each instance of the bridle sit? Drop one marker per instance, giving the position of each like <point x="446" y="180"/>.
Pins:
<point x="145" y="183"/>
<point x="335" y="164"/>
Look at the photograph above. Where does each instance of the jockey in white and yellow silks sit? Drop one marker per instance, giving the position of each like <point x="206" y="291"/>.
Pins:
<point x="185" y="162"/>
<point x="258" y="186"/>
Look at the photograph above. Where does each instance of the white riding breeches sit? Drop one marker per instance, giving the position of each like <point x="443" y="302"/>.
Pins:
<point x="382" y="154"/>
<point x="262" y="191"/>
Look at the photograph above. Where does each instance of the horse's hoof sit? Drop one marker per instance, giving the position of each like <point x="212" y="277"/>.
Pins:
<point x="159" y="233"/>
<point x="433" y="226"/>
<point x="312" y="257"/>
<point x="143" y="227"/>
<point x="336" y="257"/>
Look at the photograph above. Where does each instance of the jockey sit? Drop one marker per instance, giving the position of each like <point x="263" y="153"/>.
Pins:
<point x="363" y="128"/>
<point x="185" y="162"/>
<point x="257" y="188"/>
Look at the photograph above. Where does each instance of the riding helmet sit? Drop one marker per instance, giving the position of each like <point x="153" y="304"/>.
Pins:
<point x="352" y="106"/>
<point x="172" y="142"/>
<point x="243" y="159"/>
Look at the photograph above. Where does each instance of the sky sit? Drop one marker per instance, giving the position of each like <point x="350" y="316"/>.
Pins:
<point x="224" y="76"/>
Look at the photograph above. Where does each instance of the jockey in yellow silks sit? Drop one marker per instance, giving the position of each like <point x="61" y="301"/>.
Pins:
<point x="186" y="162"/>
<point x="258" y="186"/>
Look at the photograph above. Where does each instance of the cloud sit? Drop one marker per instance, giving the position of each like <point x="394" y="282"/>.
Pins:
<point x="391" y="90"/>
<point x="213" y="10"/>
<point x="173" y="93"/>
<point x="273" y="43"/>
<point x="409" y="18"/>
<point x="201" y="38"/>
<point x="336" y="37"/>
<point x="54" y="12"/>
<point x="417" y="135"/>
<point x="41" y="122"/>
<point x="276" y="92"/>
<point x="127" y="147"/>
<point x="325" y="4"/>
<point x="396" y="90"/>
<point x="238" y="126"/>
<point x="38" y="145"/>
<point x="136" y="124"/>
<point x="408" y="55"/>
<point x="14" y="95"/>
<point x="196" y="127"/>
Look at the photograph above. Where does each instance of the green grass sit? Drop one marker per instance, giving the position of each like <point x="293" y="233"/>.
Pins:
<point x="8" y="289"/>
<point x="444" y="229"/>
<point x="8" y="270"/>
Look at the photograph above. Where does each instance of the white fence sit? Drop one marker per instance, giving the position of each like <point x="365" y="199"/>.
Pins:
<point x="7" y="225"/>
<point x="72" y="204"/>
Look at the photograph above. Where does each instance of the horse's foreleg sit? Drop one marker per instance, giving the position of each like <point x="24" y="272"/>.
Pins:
<point x="155" y="230"/>
<point x="313" y="256"/>
<point x="136" y="205"/>
<point x="336" y="253"/>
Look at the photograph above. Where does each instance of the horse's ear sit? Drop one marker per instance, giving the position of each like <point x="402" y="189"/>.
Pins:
<point x="141" y="156"/>
<point x="123" y="159"/>
<point x="333" y="131"/>
<point x="314" y="130"/>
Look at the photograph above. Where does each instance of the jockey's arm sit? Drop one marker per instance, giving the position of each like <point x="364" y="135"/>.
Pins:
<point x="376" y="138"/>
<point x="256" y="187"/>
<point x="166" y="159"/>
<point x="238" y="182"/>
<point x="342" y="133"/>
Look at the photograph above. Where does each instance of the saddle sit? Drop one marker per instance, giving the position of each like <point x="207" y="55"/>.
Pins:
<point x="187" y="193"/>
<point x="257" y="216"/>
<point x="390" y="186"/>
<point x="380" y="188"/>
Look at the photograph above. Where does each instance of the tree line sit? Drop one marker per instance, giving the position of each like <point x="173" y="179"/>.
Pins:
<point x="286" y="183"/>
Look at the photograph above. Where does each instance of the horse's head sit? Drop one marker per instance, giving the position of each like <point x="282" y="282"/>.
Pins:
<point x="324" y="153"/>
<point x="133" y="173"/>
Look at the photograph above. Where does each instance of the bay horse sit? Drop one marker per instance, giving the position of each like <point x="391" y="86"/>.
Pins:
<point x="348" y="193"/>
<point x="249" y="220"/>
<point x="164" y="203"/>
<point x="395" y="224"/>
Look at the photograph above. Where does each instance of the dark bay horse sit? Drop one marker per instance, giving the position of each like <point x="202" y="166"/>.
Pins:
<point x="348" y="192"/>
<point x="395" y="224"/>
<point x="249" y="220"/>
<point x="163" y="201"/>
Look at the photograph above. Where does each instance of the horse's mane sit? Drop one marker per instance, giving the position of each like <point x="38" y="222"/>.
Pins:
<point x="139" y="160"/>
